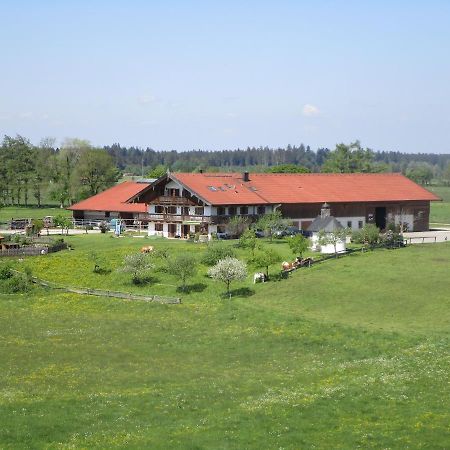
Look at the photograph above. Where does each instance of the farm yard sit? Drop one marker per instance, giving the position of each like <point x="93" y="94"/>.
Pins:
<point x="349" y="353"/>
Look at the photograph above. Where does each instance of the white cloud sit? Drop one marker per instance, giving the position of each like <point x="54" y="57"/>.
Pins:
<point x="310" y="110"/>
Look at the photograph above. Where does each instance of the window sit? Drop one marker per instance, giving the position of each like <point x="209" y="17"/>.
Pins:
<point x="360" y="224"/>
<point x="158" y="226"/>
<point x="349" y="223"/>
<point x="199" y="211"/>
<point x="220" y="211"/>
<point x="244" y="210"/>
<point x="185" y="210"/>
<point x="173" y="192"/>
<point x="261" y="210"/>
<point x="171" y="210"/>
<point x="107" y="214"/>
<point x="212" y="188"/>
<point x="231" y="210"/>
<point x="159" y="209"/>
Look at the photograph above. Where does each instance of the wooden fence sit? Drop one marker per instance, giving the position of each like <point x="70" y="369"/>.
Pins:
<point x="102" y="293"/>
<point x="33" y="250"/>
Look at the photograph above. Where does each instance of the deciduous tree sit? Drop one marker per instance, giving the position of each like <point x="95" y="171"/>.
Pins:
<point x="228" y="270"/>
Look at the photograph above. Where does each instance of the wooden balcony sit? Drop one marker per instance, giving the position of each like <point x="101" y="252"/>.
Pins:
<point x="224" y="219"/>
<point x="179" y="218"/>
<point x="172" y="200"/>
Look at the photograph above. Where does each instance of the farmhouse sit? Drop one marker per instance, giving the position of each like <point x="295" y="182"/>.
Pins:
<point x="179" y="204"/>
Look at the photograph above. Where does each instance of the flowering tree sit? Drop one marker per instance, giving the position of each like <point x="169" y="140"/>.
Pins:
<point x="138" y="264"/>
<point x="228" y="270"/>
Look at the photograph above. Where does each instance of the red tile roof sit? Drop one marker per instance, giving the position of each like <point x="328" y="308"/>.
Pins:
<point x="263" y="188"/>
<point x="114" y="199"/>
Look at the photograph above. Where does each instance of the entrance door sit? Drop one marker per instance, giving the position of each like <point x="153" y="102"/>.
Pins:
<point x="172" y="229"/>
<point x="185" y="231"/>
<point x="380" y="217"/>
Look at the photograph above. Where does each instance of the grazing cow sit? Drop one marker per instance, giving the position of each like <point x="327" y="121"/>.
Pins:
<point x="147" y="249"/>
<point x="259" y="277"/>
<point x="286" y="265"/>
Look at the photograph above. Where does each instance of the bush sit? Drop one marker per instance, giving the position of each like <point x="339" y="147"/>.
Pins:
<point x="216" y="252"/>
<point x="5" y="272"/>
<point x="15" y="284"/>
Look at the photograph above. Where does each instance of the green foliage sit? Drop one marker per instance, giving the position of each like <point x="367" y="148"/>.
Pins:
<point x="368" y="235"/>
<point x="16" y="284"/>
<point x="95" y="171"/>
<point x="265" y="258"/>
<point x="157" y="171"/>
<point x="288" y="168"/>
<point x="183" y="266"/>
<point x="272" y="222"/>
<point x="138" y="264"/>
<point x="100" y="263"/>
<point x="227" y="270"/>
<point x="249" y="241"/>
<point x="5" y="271"/>
<point x="298" y="244"/>
<point x="351" y="158"/>
<point x="420" y="172"/>
<point x="237" y="225"/>
<point x="215" y="252"/>
<point x="37" y="226"/>
<point x="62" y="222"/>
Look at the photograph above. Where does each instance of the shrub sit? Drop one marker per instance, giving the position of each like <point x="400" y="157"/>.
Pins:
<point x="5" y="271"/>
<point x="215" y="252"/>
<point x="15" y="284"/>
<point x="182" y="266"/>
<point x="138" y="264"/>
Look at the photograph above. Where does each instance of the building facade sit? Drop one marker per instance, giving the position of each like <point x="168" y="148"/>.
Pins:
<point x="180" y="204"/>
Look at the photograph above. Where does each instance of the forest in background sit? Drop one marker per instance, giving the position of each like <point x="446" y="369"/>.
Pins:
<point x="46" y="173"/>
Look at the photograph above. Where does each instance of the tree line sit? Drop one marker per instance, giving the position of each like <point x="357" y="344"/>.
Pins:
<point x="76" y="169"/>
<point x="30" y="173"/>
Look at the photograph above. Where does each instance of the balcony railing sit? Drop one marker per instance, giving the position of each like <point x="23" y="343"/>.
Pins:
<point x="179" y="218"/>
<point x="171" y="200"/>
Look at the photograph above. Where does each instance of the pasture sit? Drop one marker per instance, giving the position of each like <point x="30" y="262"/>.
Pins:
<point x="349" y="353"/>
<point x="440" y="211"/>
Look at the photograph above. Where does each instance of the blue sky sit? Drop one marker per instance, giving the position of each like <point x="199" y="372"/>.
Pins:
<point x="212" y="75"/>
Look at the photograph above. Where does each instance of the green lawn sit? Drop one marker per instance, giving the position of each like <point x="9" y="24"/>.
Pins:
<point x="350" y="353"/>
<point x="33" y="212"/>
<point x="440" y="211"/>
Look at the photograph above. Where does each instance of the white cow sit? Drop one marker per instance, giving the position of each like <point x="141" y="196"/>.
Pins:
<point x="259" y="277"/>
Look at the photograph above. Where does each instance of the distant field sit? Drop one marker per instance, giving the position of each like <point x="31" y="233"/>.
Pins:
<point x="19" y="212"/>
<point x="440" y="211"/>
<point x="351" y="353"/>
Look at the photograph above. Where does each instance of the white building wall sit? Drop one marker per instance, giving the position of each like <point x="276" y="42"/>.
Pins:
<point x="325" y="249"/>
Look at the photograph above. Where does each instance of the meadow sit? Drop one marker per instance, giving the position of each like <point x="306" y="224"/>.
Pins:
<point x="440" y="211"/>
<point x="351" y="353"/>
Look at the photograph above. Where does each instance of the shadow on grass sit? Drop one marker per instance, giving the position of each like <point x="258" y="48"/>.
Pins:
<point x="241" y="292"/>
<point x="142" y="281"/>
<point x="197" y="287"/>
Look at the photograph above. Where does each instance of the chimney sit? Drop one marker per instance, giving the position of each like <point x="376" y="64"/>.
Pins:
<point x="246" y="176"/>
<point x="200" y="171"/>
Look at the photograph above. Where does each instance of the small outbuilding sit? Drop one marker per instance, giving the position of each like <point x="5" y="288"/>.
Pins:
<point x="327" y="224"/>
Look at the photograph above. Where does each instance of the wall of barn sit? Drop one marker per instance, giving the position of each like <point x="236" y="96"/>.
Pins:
<point x="416" y="214"/>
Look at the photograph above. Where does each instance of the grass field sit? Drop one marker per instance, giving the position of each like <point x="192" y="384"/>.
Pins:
<point x="20" y="212"/>
<point x="440" y="211"/>
<point x="350" y="353"/>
